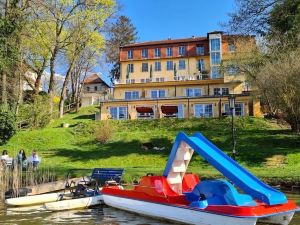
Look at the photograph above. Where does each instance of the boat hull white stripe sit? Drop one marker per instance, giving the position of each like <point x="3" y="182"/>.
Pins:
<point x="178" y="214"/>
<point x="78" y="203"/>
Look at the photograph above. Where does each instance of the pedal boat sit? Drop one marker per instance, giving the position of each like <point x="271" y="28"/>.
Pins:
<point x="242" y="199"/>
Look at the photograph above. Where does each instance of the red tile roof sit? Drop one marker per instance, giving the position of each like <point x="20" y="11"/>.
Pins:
<point x="168" y="41"/>
<point x="94" y="79"/>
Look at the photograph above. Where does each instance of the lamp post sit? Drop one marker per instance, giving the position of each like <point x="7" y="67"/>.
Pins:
<point x="231" y="100"/>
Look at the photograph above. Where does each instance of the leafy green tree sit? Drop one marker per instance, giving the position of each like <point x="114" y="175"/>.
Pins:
<point x="120" y="33"/>
<point x="7" y="124"/>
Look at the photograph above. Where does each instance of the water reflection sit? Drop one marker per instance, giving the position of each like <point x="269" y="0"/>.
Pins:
<point x="36" y="215"/>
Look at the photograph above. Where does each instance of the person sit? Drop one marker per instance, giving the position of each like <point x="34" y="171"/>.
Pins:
<point x="4" y="155"/>
<point x="22" y="159"/>
<point x="35" y="160"/>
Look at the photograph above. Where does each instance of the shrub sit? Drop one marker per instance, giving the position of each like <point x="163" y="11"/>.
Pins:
<point x="35" y="114"/>
<point x="7" y="124"/>
<point x="103" y="132"/>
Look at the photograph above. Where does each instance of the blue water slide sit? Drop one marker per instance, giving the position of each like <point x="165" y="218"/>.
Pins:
<point x="228" y="167"/>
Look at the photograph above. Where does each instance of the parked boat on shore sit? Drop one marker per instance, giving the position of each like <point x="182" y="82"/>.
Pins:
<point x="182" y="197"/>
<point x="84" y="194"/>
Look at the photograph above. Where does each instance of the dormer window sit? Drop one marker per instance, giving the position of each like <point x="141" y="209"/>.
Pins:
<point x="144" y="53"/>
<point x="157" y="52"/>
<point x="130" y="54"/>
<point x="200" y="50"/>
<point x="181" y="50"/>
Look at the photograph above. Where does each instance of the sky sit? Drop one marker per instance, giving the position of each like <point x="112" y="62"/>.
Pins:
<point x="162" y="19"/>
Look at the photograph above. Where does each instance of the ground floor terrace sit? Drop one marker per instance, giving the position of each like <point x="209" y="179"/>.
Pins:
<point x="192" y="107"/>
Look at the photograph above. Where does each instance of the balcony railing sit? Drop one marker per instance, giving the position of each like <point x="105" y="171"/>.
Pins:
<point x="164" y="79"/>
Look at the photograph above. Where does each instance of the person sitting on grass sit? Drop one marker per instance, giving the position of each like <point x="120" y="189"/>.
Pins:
<point x="22" y="159"/>
<point x="35" y="160"/>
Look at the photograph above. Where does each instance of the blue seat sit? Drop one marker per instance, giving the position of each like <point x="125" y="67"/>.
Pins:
<point x="102" y="175"/>
<point x="219" y="192"/>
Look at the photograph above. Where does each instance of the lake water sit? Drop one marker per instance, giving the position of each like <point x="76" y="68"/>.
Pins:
<point x="99" y="215"/>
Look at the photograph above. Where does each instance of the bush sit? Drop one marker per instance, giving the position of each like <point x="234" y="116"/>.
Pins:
<point x="103" y="132"/>
<point x="7" y="124"/>
<point x="35" y="114"/>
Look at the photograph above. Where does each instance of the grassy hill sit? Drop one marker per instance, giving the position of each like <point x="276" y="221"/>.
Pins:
<point x="263" y="147"/>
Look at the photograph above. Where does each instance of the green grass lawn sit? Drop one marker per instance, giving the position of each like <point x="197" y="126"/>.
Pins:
<point x="263" y="147"/>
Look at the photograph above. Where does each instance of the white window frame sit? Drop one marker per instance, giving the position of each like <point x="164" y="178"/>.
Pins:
<point x="156" y="67"/>
<point x="172" y="67"/>
<point x="179" y="66"/>
<point x="130" y="54"/>
<point x="131" y="95"/>
<point x="221" y="91"/>
<point x="234" y="111"/>
<point x="144" y="71"/>
<point x="203" y="110"/>
<point x="202" y="52"/>
<point x="181" y="50"/>
<point x="158" y="93"/>
<point x="157" y="52"/>
<point x="118" y="109"/>
<point x="192" y="90"/>
<point x="169" y="51"/>
<point x="144" y="53"/>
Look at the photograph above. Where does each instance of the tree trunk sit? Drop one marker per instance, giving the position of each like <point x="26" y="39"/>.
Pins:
<point x="52" y="80"/>
<point x="4" y="91"/>
<point x="64" y="90"/>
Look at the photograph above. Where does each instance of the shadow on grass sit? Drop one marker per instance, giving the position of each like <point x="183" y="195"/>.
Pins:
<point x="85" y="117"/>
<point x="113" y="149"/>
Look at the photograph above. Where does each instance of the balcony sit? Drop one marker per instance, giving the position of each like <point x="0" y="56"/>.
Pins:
<point x="165" y="79"/>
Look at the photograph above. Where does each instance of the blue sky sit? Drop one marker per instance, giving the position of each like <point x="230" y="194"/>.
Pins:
<point x="160" y="19"/>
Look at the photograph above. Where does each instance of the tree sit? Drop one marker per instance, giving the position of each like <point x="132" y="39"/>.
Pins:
<point x="120" y="33"/>
<point x="85" y="28"/>
<point x="276" y="20"/>
<point x="57" y="18"/>
<point x="273" y="66"/>
<point x="7" y="124"/>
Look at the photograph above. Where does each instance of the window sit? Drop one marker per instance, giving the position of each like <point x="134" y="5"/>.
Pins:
<point x="201" y="65"/>
<point x="221" y="91"/>
<point x="169" y="65"/>
<point x="158" y="93"/>
<point x="145" y="53"/>
<point x="129" y="95"/>
<point x="215" y="58"/>
<point x="169" y="51"/>
<point x="180" y="113"/>
<point x="215" y="44"/>
<point x="231" y="48"/>
<point x="130" y="54"/>
<point x="157" y="66"/>
<point x="203" y="110"/>
<point x="181" y="65"/>
<point x="157" y="52"/>
<point x="200" y="50"/>
<point x="238" y="110"/>
<point x="144" y="67"/>
<point x="193" y="92"/>
<point x="95" y="88"/>
<point x="232" y="70"/>
<point x="181" y="50"/>
<point x="118" y="113"/>
<point x="215" y="72"/>
<point x="88" y="89"/>
<point x="130" y="68"/>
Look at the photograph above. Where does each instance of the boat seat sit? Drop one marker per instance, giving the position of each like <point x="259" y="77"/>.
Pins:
<point x="104" y="175"/>
<point x="219" y="192"/>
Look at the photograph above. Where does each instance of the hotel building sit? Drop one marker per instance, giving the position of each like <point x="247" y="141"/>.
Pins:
<point x="178" y="78"/>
